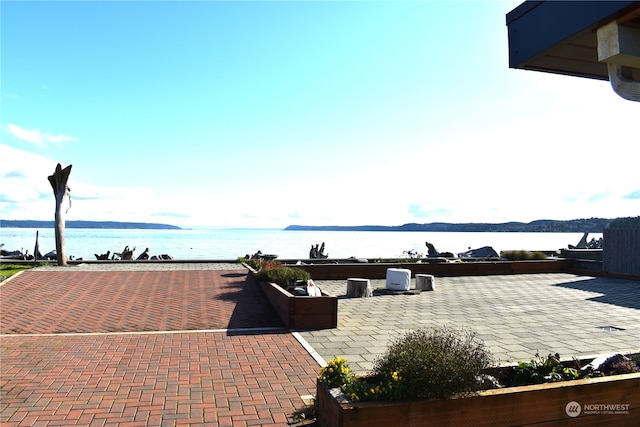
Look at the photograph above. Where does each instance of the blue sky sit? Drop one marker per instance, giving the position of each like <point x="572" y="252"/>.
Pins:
<point x="265" y="114"/>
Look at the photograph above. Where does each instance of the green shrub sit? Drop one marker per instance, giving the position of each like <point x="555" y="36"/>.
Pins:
<point x="538" y="255"/>
<point x="283" y="276"/>
<point x="251" y="262"/>
<point x="543" y="370"/>
<point x="433" y="363"/>
<point x="522" y="255"/>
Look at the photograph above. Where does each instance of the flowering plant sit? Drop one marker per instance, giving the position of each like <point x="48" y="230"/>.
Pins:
<point x="387" y="387"/>
<point x="336" y="373"/>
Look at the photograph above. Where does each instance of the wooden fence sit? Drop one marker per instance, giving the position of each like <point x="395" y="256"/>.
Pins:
<point x="621" y="253"/>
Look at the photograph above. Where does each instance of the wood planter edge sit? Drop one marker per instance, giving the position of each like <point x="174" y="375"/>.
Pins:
<point x="546" y="404"/>
<point x="302" y="312"/>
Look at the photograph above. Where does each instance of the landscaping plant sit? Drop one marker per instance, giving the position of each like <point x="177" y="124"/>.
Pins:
<point x="428" y="363"/>
<point x="543" y="370"/>
<point x="550" y="369"/>
<point x="522" y="255"/>
<point x="442" y="363"/>
<point x="254" y="263"/>
<point x="336" y="373"/>
<point x="283" y="276"/>
<point x="435" y="363"/>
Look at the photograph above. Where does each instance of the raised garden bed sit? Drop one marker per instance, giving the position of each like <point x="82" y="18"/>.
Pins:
<point x="302" y="312"/>
<point x="604" y="401"/>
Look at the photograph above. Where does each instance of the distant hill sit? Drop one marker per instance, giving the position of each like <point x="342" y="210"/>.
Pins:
<point x="88" y="224"/>
<point x="591" y="225"/>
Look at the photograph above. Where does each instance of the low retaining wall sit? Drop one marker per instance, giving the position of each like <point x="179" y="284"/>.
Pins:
<point x="379" y="270"/>
<point x="582" y="254"/>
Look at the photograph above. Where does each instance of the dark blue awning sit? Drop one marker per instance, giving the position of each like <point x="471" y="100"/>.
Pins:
<point x="560" y="36"/>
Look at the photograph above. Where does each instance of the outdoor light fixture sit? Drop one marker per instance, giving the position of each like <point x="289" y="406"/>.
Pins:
<point x="619" y="48"/>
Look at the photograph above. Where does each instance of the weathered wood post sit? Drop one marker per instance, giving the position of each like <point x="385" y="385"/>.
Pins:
<point x="36" y="249"/>
<point x="60" y="189"/>
<point x="360" y="288"/>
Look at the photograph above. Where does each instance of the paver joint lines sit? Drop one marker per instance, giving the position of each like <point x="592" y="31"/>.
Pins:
<point x="516" y="316"/>
<point x="132" y="301"/>
<point x="252" y="376"/>
<point x="166" y="376"/>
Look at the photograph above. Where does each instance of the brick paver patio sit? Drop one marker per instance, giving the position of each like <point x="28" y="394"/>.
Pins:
<point x="188" y="347"/>
<point x="132" y="301"/>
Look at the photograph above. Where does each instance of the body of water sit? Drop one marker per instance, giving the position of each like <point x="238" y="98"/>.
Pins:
<point x="233" y="243"/>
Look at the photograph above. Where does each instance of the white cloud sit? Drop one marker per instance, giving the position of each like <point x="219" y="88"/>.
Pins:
<point x="36" y="136"/>
<point x="59" y="138"/>
<point x="33" y="136"/>
<point x="26" y="193"/>
<point x="24" y="175"/>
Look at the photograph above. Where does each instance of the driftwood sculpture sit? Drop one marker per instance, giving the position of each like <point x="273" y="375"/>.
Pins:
<point x="36" y="249"/>
<point x="60" y="189"/>
<point x="103" y="257"/>
<point x="317" y="251"/>
<point x="144" y="255"/>
<point x="125" y="255"/>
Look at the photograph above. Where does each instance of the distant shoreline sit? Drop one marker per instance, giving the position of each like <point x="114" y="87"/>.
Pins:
<point x="112" y="225"/>
<point x="591" y="225"/>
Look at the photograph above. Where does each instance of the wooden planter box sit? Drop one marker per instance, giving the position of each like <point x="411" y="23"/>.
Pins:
<point x="302" y="312"/>
<point x="549" y="404"/>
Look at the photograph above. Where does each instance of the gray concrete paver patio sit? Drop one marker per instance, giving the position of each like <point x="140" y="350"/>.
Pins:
<point x="516" y="315"/>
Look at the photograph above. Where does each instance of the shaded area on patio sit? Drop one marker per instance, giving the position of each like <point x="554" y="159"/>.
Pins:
<point x="132" y="301"/>
<point x="623" y="293"/>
